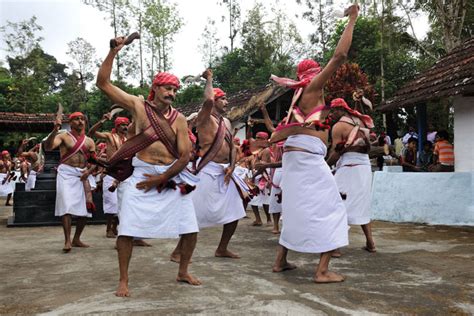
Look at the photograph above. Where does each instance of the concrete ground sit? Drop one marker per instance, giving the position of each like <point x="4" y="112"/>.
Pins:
<point x="418" y="269"/>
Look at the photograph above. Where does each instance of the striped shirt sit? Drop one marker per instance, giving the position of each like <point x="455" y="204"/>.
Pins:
<point x="445" y="152"/>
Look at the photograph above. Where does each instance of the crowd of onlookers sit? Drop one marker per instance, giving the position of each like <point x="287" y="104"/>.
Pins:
<point x="437" y="154"/>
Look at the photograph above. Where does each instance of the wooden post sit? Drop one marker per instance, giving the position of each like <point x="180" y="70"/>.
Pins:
<point x="421" y="122"/>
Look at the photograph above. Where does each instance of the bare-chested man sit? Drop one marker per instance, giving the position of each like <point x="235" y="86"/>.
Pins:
<point x="6" y="188"/>
<point x="72" y="186"/>
<point x="149" y="209"/>
<point x="350" y="149"/>
<point x="114" y="140"/>
<point x="217" y="200"/>
<point x="318" y="221"/>
<point x="32" y="164"/>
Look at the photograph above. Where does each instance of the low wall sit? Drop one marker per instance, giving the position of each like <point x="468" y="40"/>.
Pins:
<point x="444" y="198"/>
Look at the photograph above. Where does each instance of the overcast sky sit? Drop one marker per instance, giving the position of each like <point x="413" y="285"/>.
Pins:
<point x="65" y="20"/>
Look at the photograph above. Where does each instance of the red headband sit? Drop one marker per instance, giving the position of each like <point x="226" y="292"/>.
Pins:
<point x="307" y="69"/>
<point x="75" y="114"/>
<point x="163" y="79"/>
<point x="339" y="102"/>
<point x="218" y="93"/>
<point x="263" y="135"/>
<point x="121" y="120"/>
<point x="5" y="152"/>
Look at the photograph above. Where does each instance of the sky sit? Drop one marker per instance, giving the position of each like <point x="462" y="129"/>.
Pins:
<point x="65" y="20"/>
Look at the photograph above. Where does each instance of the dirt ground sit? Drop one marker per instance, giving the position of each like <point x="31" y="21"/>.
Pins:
<point x="418" y="269"/>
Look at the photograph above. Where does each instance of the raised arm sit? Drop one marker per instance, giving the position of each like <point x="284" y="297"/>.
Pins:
<point x="315" y="87"/>
<point x="93" y="130"/>
<point x="206" y="109"/>
<point x="116" y="94"/>
<point x="266" y="118"/>
<point x="54" y="140"/>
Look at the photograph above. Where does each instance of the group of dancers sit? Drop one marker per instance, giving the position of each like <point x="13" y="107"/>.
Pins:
<point x="168" y="176"/>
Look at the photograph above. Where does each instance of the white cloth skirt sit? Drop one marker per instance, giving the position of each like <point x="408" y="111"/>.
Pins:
<point x="263" y="197"/>
<point x="109" y="199"/>
<point x="275" y="207"/>
<point x="315" y="218"/>
<point x="31" y="181"/>
<point x="6" y="188"/>
<point x="354" y="178"/>
<point x="167" y="214"/>
<point x="70" y="197"/>
<point x="217" y="203"/>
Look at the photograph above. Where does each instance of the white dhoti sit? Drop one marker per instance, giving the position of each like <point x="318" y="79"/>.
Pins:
<point x="70" y="197"/>
<point x="275" y="207"/>
<point x="354" y="178"/>
<point x="217" y="203"/>
<point x="109" y="199"/>
<point x="315" y="218"/>
<point x="5" y="188"/>
<point x="31" y="181"/>
<point x="263" y="196"/>
<point x="167" y="214"/>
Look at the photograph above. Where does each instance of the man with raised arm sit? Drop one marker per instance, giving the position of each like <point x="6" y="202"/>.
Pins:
<point x="33" y="163"/>
<point x="315" y="219"/>
<point x="152" y="205"/>
<point x="73" y="195"/>
<point x="114" y="140"/>
<point x="217" y="199"/>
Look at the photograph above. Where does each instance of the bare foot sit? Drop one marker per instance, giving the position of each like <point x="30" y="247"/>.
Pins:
<point x="275" y="231"/>
<point x="122" y="290"/>
<point x="336" y="254"/>
<point x="269" y="223"/>
<point x="328" y="277"/>
<point x="188" y="278"/>
<point x="110" y="234"/>
<point x="67" y="247"/>
<point x="284" y="267"/>
<point x="141" y="243"/>
<point x="177" y="258"/>
<point x="257" y="223"/>
<point x="369" y="247"/>
<point x="226" y="254"/>
<point x="78" y="243"/>
<point x="8" y="204"/>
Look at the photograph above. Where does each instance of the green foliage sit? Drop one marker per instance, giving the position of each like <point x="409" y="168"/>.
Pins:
<point x="190" y="93"/>
<point x="21" y="37"/>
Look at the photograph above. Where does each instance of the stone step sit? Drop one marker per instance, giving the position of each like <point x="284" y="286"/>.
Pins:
<point x="45" y="185"/>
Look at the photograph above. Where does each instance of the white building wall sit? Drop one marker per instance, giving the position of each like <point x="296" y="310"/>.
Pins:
<point x="464" y="133"/>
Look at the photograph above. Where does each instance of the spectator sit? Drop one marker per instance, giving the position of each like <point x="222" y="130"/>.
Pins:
<point x="398" y="144"/>
<point x="431" y="135"/>
<point x="443" y="153"/>
<point x="426" y="156"/>
<point x="411" y="134"/>
<point x="408" y="157"/>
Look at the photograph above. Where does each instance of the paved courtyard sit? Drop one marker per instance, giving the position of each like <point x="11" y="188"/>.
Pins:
<point x="418" y="269"/>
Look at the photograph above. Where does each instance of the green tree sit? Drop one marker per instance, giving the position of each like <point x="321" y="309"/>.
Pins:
<point x="21" y="37"/>
<point x="209" y="43"/>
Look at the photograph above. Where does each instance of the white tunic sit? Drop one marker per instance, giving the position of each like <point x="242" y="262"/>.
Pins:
<point x="31" y="181"/>
<point x="354" y="178"/>
<point x="109" y="199"/>
<point x="275" y="207"/>
<point x="315" y="218"/>
<point x="217" y="203"/>
<point x="167" y="214"/>
<point x="263" y="196"/>
<point x="70" y="197"/>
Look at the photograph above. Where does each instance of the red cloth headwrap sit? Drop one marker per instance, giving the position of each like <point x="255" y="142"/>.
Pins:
<point x="263" y="135"/>
<point x="5" y="152"/>
<point x="74" y="115"/>
<point x="218" y="93"/>
<point x="339" y="102"/>
<point x="121" y="120"/>
<point x="162" y="79"/>
<point x="307" y="69"/>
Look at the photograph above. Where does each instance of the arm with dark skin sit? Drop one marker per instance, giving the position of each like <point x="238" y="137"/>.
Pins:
<point x="337" y="137"/>
<point x="266" y="118"/>
<point x="53" y="142"/>
<point x="314" y="90"/>
<point x="184" y="150"/>
<point x="206" y="109"/>
<point x="88" y="171"/>
<point x="93" y="130"/>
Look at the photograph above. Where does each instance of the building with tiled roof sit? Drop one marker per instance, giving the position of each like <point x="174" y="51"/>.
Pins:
<point x="28" y="122"/>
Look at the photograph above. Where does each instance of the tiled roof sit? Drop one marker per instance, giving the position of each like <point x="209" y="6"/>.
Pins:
<point x="451" y="75"/>
<point x="28" y="122"/>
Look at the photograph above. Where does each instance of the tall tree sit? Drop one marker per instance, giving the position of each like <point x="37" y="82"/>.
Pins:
<point x="21" y="37"/>
<point x="233" y="8"/>
<point x="209" y="43"/>
<point x="84" y="62"/>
